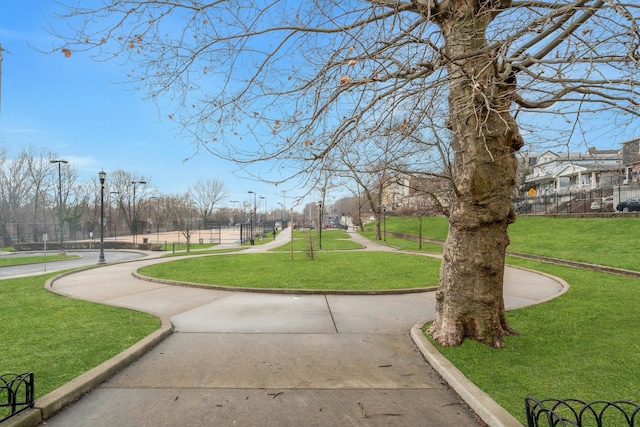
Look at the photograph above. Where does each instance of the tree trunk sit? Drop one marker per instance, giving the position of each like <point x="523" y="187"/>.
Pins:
<point x="469" y="301"/>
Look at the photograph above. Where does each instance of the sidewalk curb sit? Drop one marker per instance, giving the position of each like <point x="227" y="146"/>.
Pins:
<point x="48" y="405"/>
<point x="480" y="402"/>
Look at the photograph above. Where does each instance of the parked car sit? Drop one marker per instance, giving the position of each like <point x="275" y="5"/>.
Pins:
<point x="632" y="204"/>
<point x="606" y="203"/>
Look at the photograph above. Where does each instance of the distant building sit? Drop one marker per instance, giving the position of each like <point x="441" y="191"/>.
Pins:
<point x="428" y="194"/>
<point x="395" y="192"/>
<point x="573" y="172"/>
<point x="631" y="160"/>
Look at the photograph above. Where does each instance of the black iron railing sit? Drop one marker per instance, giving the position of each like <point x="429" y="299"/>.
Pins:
<point x="576" y="413"/>
<point x="16" y="394"/>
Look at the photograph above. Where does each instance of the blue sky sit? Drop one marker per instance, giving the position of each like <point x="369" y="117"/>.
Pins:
<point x="79" y="109"/>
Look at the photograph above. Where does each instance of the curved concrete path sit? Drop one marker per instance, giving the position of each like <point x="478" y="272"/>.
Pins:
<point x="248" y="359"/>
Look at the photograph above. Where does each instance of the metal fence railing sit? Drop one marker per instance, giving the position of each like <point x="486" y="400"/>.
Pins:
<point x="251" y="231"/>
<point x="16" y="394"/>
<point x="587" y="201"/>
<point x="576" y="413"/>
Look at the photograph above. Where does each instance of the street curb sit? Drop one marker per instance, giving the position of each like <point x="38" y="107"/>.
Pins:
<point x="480" y="402"/>
<point x="484" y="406"/>
<point x="51" y="403"/>
<point x="48" y="405"/>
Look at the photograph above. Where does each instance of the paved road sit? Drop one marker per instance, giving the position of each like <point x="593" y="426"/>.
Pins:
<point x="84" y="259"/>
<point x="253" y="359"/>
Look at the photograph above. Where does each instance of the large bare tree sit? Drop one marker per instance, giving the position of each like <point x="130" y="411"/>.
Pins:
<point x="205" y="195"/>
<point x="132" y="192"/>
<point x="293" y="80"/>
<point x="14" y="191"/>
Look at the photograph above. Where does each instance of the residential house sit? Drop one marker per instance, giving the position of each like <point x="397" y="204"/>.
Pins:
<point x="395" y="192"/>
<point x="573" y="172"/>
<point x="631" y="160"/>
<point x="416" y="194"/>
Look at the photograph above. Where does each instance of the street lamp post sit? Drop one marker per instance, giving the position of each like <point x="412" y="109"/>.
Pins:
<point x="103" y="177"/>
<point x="135" y="214"/>
<point x="252" y="216"/>
<point x="60" y="162"/>
<point x="320" y="223"/>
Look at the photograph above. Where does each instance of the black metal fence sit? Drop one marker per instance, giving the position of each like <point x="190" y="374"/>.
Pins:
<point x="20" y="232"/>
<point x="16" y="394"/>
<point x="596" y="200"/>
<point x="576" y="413"/>
<point x="257" y="230"/>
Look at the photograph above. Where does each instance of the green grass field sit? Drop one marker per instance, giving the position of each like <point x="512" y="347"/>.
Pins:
<point x="356" y="271"/>
<point x="331" y="240"/>
<point x="604" y="241"/>
<point x="60" y="338"/>
<point x="584" y="344"/>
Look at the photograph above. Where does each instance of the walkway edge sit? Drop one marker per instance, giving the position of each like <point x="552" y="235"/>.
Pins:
<point x="51" y="403"/>
<point x="483" y="405"/>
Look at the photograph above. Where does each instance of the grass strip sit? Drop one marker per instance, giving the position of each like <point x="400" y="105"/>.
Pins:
<point x="329" y="271"/>
<point x="9" y="261"/>
<point x="584" y="344"/>
<point x="406" y="245"/>
<point x="60" y="338"/>
<point x="331" y="240"/>
<point x="182" y="246"/>
<point x="202" y="252"/>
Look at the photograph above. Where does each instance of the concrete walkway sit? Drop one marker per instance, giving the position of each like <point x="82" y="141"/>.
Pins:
<point x="253" y="359"/>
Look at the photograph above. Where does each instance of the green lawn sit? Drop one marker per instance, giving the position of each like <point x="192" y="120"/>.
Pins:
<point x="182" y="246"/>
<point x="330" y="270"/>
<point x="406" y="245"/>
<point x="331" y="240"/>
<point x="604" y="241"/>
<point x="60" y="338"/>
<point x="432" y="227"/>
<point x="584" y="344"/>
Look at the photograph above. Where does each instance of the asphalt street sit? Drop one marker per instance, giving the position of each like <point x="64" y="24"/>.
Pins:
<point x="85" y="258"/>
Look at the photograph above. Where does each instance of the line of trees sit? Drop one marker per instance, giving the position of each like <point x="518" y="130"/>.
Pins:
<point x="33" y="192"/>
